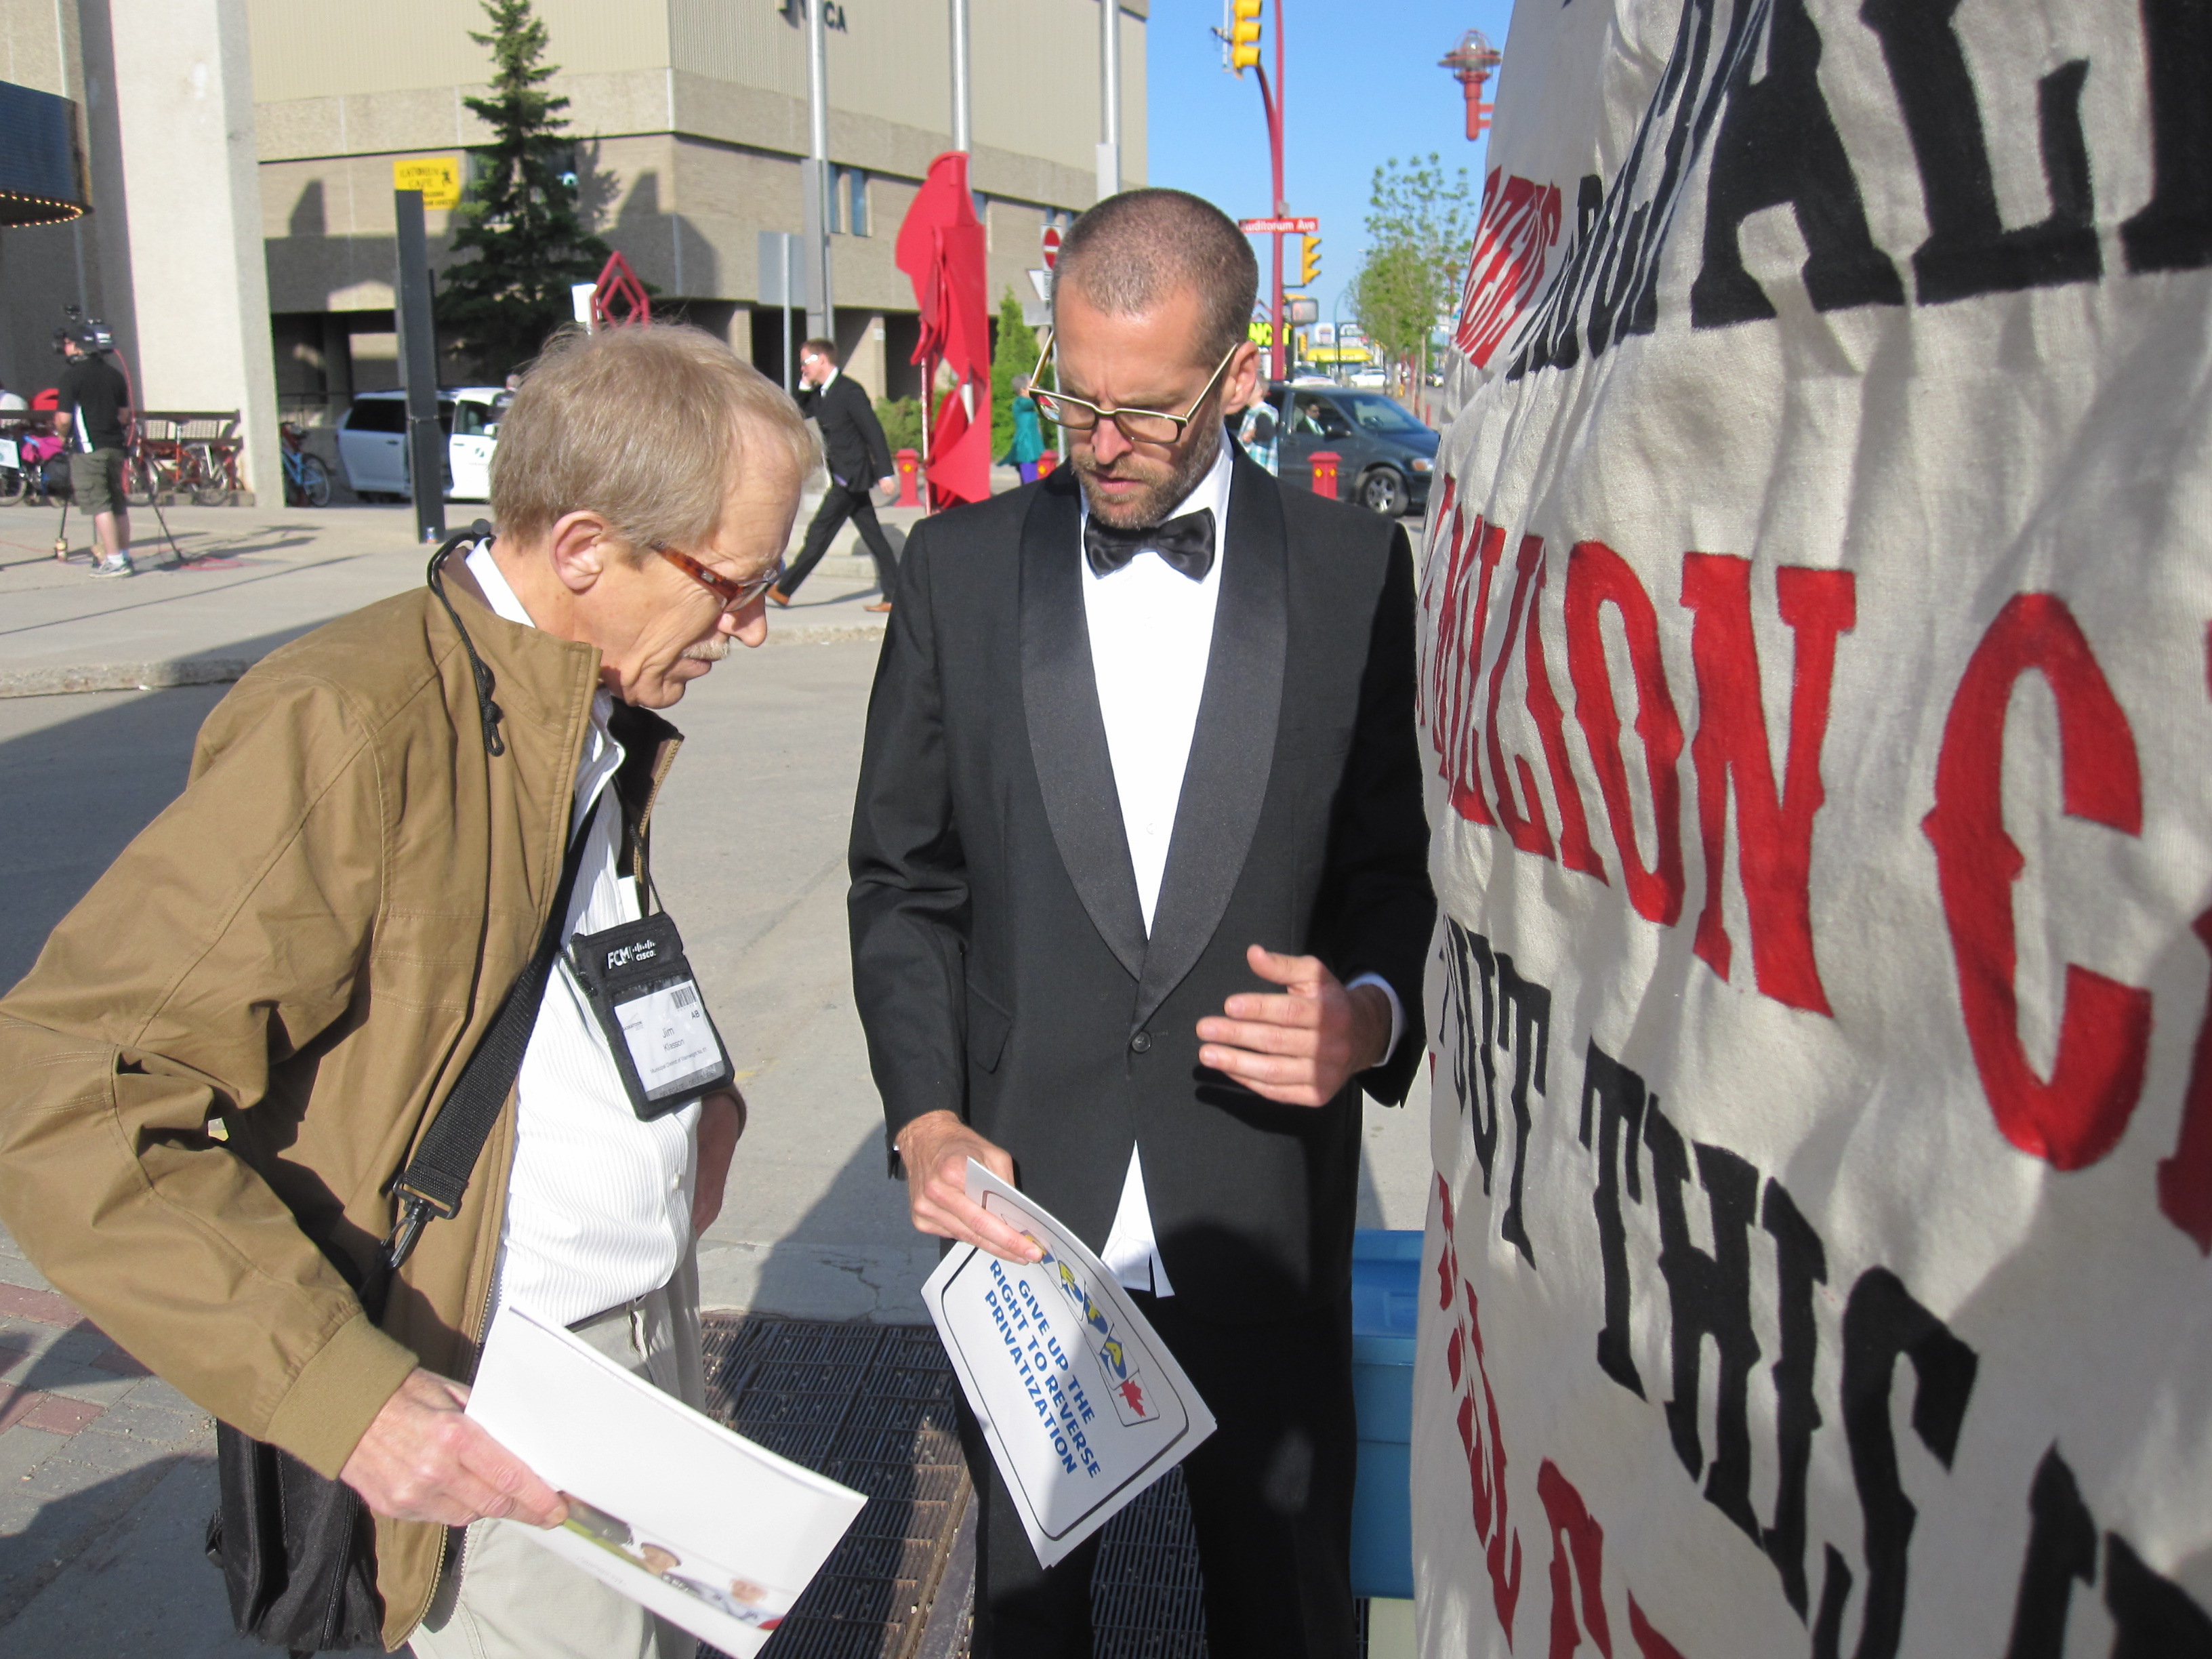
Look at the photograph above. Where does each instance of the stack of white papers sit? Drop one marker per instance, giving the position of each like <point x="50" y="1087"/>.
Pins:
<point x="706" y="1529"/>
<point x="1083" y="1404"/>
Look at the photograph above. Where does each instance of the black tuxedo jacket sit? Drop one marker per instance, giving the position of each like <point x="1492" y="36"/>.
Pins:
<point x="852" y="440"/>
<point x="999" y="957"/>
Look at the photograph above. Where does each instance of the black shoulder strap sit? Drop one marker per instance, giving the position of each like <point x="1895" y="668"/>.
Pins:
<point x="438" y="1174"/>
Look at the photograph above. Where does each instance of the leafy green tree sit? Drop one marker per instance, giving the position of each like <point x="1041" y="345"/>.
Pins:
<point x="1420" y="226"/>
<point x="521" y="218"/>
<point x="1014" y="353"/>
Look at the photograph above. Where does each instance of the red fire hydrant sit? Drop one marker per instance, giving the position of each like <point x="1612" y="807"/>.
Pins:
<point x="908" y="462"/>
<point x="1324" y="472"/>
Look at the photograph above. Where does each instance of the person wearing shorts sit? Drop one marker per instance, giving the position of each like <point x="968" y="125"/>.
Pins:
<point x="94" y="409"/>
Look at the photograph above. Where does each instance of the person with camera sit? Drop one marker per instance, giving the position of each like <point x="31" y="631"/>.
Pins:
<point x="93" y="418"/>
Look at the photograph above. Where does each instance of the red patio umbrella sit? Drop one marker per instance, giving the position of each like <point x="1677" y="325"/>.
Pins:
<point x="940" y="248"/>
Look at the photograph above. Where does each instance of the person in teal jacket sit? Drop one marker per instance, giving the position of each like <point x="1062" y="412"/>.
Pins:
<point x="1029" y="433"/>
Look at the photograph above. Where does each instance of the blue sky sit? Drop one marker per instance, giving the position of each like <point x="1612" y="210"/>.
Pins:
<point x="1364" y="87"/>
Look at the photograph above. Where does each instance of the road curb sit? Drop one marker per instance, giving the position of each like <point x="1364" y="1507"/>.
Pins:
<point x="62" y="680"/>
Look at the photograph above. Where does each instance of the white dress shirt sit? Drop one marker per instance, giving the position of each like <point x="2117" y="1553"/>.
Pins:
<point x="598" y="1207"/>
<point x="1151" y="635"/>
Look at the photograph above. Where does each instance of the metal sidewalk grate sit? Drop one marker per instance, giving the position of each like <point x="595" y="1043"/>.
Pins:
<point x="870" y="1406"/>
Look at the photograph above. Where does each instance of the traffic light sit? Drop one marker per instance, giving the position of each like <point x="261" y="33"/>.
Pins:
<point x="1244" y="34"/>
<point x="1309" y="262"/>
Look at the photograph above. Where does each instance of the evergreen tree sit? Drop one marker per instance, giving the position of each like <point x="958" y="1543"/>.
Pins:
<point x="520" y="218"/>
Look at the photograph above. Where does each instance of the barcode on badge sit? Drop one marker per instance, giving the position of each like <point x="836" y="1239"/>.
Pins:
<point x="686" y="995"/>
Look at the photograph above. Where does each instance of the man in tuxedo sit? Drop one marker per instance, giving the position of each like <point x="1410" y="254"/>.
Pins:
<point x="1140" y="906"/>
<point x="853" y="446"/>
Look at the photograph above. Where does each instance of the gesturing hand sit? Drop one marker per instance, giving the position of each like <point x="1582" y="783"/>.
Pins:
<point x="423" y="1460"/>
<point x="1298" y="1049"/>
<point x="936" y="1147"/>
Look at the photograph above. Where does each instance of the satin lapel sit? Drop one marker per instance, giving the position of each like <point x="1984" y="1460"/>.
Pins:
<point x="1067" y="734"/>
<point x="1233" y="749"/>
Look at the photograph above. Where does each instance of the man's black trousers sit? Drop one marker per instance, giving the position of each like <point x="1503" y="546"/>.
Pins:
<point x="838" y="505"/>
<point x="1270" y="1496"/>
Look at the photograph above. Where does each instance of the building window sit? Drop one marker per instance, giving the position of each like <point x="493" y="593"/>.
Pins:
<point x="848" y="201"/>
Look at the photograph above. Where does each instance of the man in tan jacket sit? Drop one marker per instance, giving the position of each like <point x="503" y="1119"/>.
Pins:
<point x="227" y="1053"/>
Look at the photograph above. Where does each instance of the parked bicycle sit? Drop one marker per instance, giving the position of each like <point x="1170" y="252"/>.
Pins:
<point x="307" y="480"/>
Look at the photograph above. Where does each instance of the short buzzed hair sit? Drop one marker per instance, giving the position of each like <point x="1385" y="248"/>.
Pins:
<point x="821" y="349"/>
<point x="1132" y="249"/>
<point x="645" y="425"/>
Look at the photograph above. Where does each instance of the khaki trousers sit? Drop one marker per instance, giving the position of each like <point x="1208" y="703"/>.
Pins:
<point x="503" y="1596"/>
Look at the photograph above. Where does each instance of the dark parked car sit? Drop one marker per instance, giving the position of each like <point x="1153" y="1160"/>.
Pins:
<point x="1385" y="453"/>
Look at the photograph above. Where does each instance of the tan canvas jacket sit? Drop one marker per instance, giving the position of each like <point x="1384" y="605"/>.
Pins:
<point x="254" y="1015"/>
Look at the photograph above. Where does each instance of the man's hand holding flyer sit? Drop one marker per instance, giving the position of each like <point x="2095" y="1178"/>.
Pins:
<point x="1082" y="1404"/>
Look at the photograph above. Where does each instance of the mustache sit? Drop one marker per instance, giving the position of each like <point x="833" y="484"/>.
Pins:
<point x="711" y="649"/>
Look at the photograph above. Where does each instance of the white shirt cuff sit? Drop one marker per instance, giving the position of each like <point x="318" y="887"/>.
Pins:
<point x="1397" y="1011"/>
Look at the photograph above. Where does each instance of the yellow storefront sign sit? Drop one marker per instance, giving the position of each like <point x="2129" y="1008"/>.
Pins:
<point x="438" y="177"/>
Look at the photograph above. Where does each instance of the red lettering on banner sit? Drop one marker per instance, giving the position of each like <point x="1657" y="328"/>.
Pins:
<point x="1774" y="830"/>
<point x="1596" y="577"/>
<point x="1575" y="849"/>
<point x="1464" y="616"/>
<point x="1478" y="1430"/>
<point x="2104" y="1033"/>
<point x="1528" y="831"/>
<point x="1578" y="1558"/>
<point x="1520" y="222"/>
<point x="2184" y="1181"/>
<point x="1578" y="1539"/>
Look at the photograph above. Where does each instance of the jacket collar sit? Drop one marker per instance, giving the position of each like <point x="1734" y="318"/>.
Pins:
<point x="1231" y="751"/>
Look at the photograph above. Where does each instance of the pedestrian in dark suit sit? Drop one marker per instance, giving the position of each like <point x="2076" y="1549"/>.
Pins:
<point x="854" y="447"/>
<point x="1140" y="906"/>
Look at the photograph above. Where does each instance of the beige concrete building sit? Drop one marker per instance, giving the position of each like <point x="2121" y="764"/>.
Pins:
<point x="690" y="118"/>
<point x="200" y="123"/>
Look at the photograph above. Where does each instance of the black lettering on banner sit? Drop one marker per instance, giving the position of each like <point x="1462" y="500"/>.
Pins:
<point x="1516" y="1016"/>
<point x="2153" y="1618"/>
<point x="1968" y="250"/>
<point x="1778" y="146"/>
<point x="1800" y="1263"/>
<point x="1619" y="1096"/>
<point x="2173" y="230"/>
<point x="1883" y="1323"/>
<point x="2061" y="1546"/>
<point x="1709" y="1296"/>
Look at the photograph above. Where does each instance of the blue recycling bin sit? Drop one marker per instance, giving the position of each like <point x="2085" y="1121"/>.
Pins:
<point x="1386" y="1288"/>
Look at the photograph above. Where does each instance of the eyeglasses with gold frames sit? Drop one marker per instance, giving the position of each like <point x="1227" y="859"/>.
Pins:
<point x="734" y="596"/>
<point x="1145" y="425"/>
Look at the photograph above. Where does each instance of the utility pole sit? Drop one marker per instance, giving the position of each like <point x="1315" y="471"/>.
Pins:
<point x="1109" y="99"/>
<point x="1281" y="356"/>
<point x="963" y="137"/>
<point x="814" y="176"/>
<point x="419" y="368"/>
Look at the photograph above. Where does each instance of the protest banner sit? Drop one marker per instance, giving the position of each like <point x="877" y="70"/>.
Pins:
<point x="1814" y="689"/>
<point x="1081" y="1403"/>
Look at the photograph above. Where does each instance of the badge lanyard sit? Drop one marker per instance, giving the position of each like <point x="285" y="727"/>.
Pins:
<point x="640" y="987"/>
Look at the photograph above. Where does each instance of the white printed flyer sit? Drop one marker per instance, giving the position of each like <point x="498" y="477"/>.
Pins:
<point x="1083" y="1404"/>
<point x="708" y="1531"/>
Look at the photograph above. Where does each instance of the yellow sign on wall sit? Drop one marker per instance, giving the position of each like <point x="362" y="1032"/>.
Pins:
<point x="438" y="177"/>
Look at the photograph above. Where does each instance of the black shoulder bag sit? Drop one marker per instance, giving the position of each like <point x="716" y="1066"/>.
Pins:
<point x="298" y="1551"/>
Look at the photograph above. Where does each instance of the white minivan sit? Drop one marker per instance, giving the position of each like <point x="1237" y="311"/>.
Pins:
<point x="373" y="442"/>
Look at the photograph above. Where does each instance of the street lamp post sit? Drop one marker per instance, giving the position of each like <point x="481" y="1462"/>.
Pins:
<point x="1110" y="98"/>
<point x="820" y="320"/>
<point x="962" y="138"/>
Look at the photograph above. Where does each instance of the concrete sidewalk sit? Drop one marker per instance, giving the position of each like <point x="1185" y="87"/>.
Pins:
<point x="251" y="580"/>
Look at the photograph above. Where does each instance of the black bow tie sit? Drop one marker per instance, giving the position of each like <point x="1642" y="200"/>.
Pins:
<point x="1186" y="542"/>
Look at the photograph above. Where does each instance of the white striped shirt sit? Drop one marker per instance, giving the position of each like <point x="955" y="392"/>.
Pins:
<point x="598" y="1207"/>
